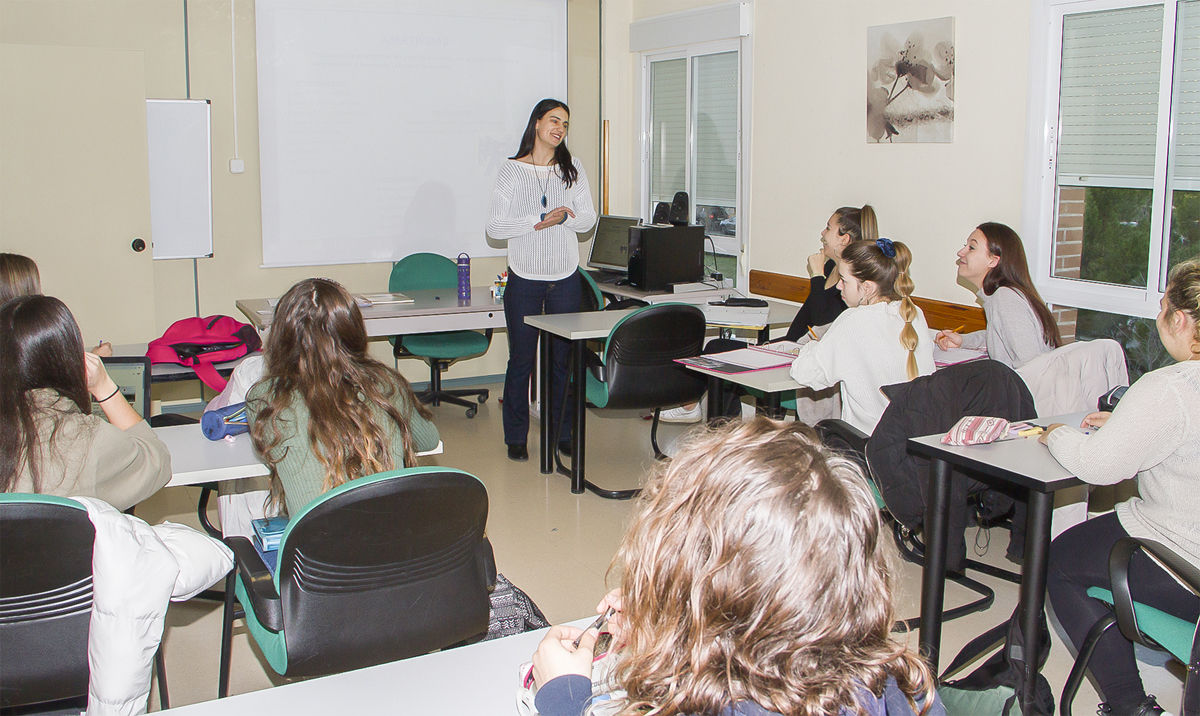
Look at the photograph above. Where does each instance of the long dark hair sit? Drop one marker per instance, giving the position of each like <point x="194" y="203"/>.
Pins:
<point x="1013" y="271"/>
<point x="317" y="352"/>
<point x="40" y="347"/>
<point x="562" y="156"/>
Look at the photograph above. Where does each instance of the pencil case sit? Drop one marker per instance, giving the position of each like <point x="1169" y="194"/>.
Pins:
<point x="230" y="420"/>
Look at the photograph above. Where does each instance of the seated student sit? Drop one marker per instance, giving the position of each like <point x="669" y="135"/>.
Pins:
<point x="1019" y="325"/>
<point x="325" y="412"/>
<point x="824" y="302"/>
<point x="1154" y="433"/>
<point x="756" y="578"/>
<point x="50" y="442"/>
<point x="880" y="339"/>
<point x="19" y="277"/>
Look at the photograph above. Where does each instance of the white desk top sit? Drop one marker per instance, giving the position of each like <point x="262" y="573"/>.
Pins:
<point x="598" y="324"/>
<point x="627" y="291"/>
<point x="196" y="459"/>
<point x="1025" y="462"/>
<point x="771" y="380"/>
<point x="476" y="679"/>
<point x="431" y="310"/>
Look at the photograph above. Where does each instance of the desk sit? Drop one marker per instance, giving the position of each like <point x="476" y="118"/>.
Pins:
<point x="579" y="328"/>
<point x="475" y="679"/>
<point x="432" y="310"/>
<point x="771" y="382"/>
<point x="195" y="459"/>
<point x="1025" y="463"/>
<point x="170" y="372"/>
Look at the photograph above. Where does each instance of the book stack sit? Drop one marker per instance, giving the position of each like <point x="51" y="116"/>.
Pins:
<point x="268" y="533"/>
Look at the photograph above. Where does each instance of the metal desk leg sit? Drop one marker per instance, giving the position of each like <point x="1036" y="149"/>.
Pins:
<point x="579" y="349"/>
<point x="774" y="406"/>
<point x="933" y="577"/>
<point x="1033" y="584"/>
<point x="546" y="446"/>
<point x="716" y="397"/>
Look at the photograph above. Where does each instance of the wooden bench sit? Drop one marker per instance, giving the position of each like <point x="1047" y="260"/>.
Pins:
<point x="938" y="314"/>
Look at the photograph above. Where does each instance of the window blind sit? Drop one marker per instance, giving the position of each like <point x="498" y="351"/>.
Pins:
<point x="668" y="125"/>
<point x="1109" y="93"/>
<point x="715" y="108"/>
<point x="1185" y="145"/>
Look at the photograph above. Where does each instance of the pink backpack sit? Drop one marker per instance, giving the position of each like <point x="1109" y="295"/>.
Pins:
<point x="200" y="342"/>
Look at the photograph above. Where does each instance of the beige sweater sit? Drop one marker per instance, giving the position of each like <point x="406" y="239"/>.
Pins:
<point x="88" y="457"/>
<point x="1155" y="434"/>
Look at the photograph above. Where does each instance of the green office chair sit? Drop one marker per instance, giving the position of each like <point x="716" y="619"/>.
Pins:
<point x="439" y="350"/>
<point x="1141" y="623"/>
<point x="46" y="603"/>
<point x="378" y="569"/>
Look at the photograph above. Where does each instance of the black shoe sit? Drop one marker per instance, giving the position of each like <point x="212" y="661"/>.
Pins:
<point x="1149" y="707"/>
<point x="518" y="452"/>
<point x="565" y="448"/>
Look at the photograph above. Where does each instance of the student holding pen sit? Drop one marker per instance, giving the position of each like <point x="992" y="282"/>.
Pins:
<point x="1019" y="326"/>
<point x="1153" y="433"/>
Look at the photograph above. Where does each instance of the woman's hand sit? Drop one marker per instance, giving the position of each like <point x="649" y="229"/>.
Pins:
<point x="614" y="600"/>
<point x="816" y="264"/>
<point x="118" y="410"/>
<point x="98" y="382"/>
<point x="554" y="217"/>
<point x="557" y="655"/>
<point x="103" y="349"/>
<point x="1096" y="420"/>
<point x="947" y="340"/>
<point x="1045" y="436"/>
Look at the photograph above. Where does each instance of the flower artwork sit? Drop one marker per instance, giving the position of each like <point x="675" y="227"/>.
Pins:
<point x="910" y="81"/>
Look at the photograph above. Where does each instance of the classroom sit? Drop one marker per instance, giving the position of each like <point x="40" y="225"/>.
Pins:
<point x="74" y="194"/>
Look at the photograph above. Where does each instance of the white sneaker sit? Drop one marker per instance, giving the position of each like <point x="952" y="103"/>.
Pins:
<point x="682" y="414"/>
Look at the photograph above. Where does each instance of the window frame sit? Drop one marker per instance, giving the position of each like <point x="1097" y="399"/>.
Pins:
<point x="1041" y="187"/>
<point x="726" y="245"/>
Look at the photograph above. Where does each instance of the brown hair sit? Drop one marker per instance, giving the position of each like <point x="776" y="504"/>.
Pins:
<point x="868" y="262"/>
<point x="1183" y="294"/>
<point x="757" y="568"/>
<point x="1013" y="271"/>
<point x="40" y="347"/>
<point x="316" y="352"/>
<point x="860" y="224"/>
<point x="18" y="277"/>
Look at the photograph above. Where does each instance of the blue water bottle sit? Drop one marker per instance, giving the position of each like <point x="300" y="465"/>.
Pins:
<point x="464" y="277"/>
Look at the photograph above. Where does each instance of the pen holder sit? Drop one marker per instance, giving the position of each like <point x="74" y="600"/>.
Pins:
<point x="498" y="290"/>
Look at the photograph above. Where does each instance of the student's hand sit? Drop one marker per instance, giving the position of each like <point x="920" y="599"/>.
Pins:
<point x="1045" y="436"/>
<point x="947" y="340"/>
<point x="614" y="600"/>
<point x="557" y="655"/>
<point x="816" y="264"/>
<point x="1096" y="420"/>
<point x="554" y="217"/>
<point x="103" y="349"/>
<point x="98" y="382"/>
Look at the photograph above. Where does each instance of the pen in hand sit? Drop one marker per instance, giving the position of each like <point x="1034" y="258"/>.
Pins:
<point x="600" y="621"/>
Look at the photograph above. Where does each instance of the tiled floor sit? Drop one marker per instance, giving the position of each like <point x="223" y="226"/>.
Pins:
<point x="555" y="545"/>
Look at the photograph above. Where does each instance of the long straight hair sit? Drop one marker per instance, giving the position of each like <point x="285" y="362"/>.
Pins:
<point x="562" y="156"/>
<point x="18" y="277"/>
<point x="757" y="568"/>
<point x="1013" y="271"/>
<point x="40" y="347"/>
<point x="867" y="262"/>
<point x="316" y="353"/>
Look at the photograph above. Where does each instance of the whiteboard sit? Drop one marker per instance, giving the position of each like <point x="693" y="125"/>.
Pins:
<point x="383" y="123"/>
<point x="179" y="139"/>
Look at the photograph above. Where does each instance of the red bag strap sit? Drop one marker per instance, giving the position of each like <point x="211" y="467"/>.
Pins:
<point x="209" y="375"/>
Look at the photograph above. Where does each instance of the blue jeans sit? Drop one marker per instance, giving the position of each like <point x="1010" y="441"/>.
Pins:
<point x="523" y="297"/>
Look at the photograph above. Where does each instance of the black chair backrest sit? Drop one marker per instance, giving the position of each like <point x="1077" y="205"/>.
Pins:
<point x="45" y="601"/>
<point x="394" y="568"/>
<point x="639" y="358"/>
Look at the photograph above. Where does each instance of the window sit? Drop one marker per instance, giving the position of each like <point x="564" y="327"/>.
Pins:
<point x="693" y="138"/>
<point x="1116" y="151"/>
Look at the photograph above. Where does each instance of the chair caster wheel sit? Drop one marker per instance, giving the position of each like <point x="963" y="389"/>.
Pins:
<point x="482" y="397"/>
<point x="471" y="411"/>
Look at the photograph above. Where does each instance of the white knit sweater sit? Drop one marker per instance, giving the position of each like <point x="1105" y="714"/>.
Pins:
<point x="549" y="254"/>
<point x="862" y="351"/>
<point x="1155" y="434"/>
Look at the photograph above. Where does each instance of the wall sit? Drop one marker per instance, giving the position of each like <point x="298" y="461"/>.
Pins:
<point x="156" y="27"/>
<point x="809" y="152"/>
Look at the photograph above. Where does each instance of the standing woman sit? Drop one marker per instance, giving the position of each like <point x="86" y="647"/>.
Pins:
<point x="1019" y="326"/>
<point x="541" y="201"/>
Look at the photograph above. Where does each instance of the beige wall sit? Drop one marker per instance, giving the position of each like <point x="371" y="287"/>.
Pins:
<point x="809" y="153"/>
<point x="156" y="28"/>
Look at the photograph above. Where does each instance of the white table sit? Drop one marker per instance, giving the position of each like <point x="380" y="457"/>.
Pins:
<point x="195" y="459"/>
<point x="432" y="310"/>
<point x="475" y="679"/>
<point x="1025" y="463"/>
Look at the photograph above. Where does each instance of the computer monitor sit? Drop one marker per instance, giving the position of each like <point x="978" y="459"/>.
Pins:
<point x="610" y="245"/>
<point x="132" y="376"/>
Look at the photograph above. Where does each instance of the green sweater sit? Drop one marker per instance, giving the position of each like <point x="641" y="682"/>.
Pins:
<point x="302" y="474"/>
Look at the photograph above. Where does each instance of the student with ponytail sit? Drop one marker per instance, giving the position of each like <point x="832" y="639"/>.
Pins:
<point x="880" y="339"/>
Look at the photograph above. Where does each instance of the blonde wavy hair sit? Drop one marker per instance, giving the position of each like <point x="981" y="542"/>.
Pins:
<point x="868" y="262"/>
<point x="757" y="569"/>
<point x="1183" y="294"/>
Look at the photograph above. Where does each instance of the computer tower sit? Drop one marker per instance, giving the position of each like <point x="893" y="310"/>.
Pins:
<point x="662" y="255"/>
